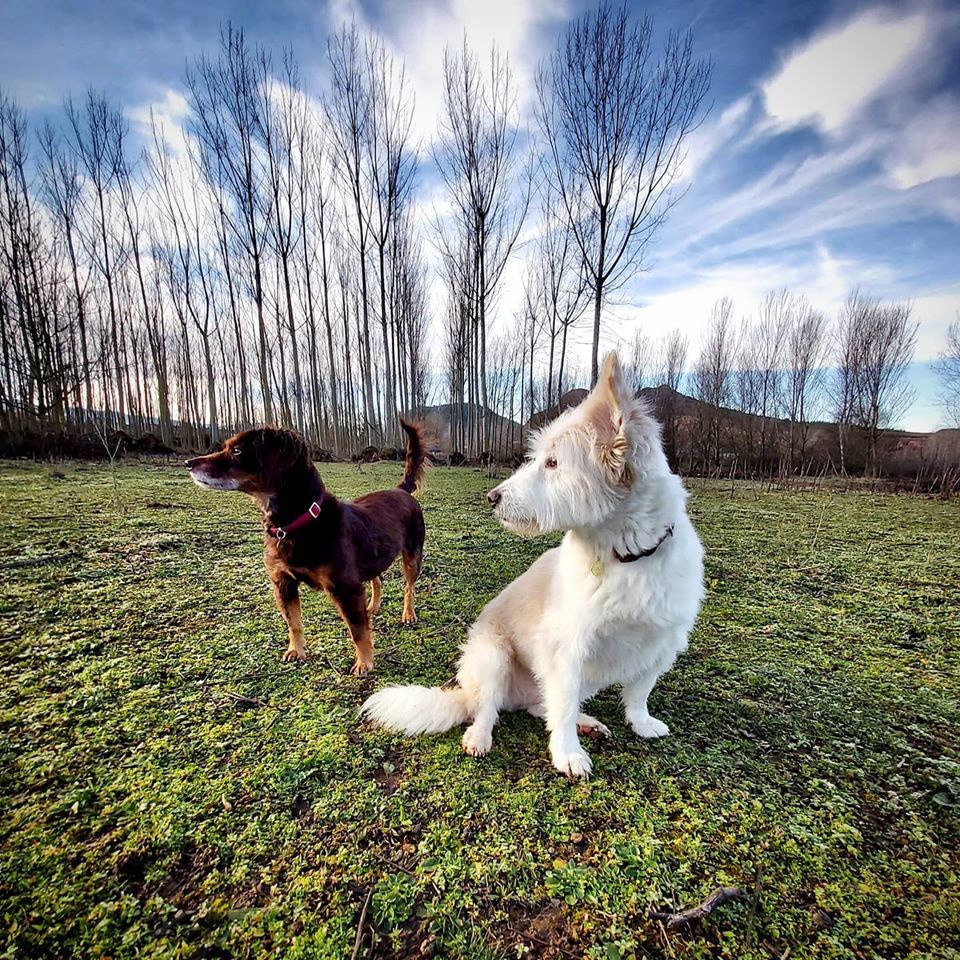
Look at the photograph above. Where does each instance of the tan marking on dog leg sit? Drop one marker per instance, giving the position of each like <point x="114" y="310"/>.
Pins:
<point x="411" y="570"/>
<point x="286" y="592"/>
<point x="376" y="586"/>
<point x="352" y="607"/>
<point x="588" y="726"/>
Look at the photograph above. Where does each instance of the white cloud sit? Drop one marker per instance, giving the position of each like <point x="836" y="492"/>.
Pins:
<point x="935" y="312"/>
<point x="170" y="113"/>
<point x="819" y="177"/>
<point x="421" y="30"/>
<point x="927" y="147"/>
<point x="684" y="300"/>
<point x="841" y="70"/>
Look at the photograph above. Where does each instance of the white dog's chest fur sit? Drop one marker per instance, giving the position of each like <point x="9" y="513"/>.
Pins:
<point x="621" y="622"/>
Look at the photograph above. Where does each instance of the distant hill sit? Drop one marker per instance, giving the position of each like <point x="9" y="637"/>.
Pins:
<point x="506" y="434"/>
<point x="571" y="398"/>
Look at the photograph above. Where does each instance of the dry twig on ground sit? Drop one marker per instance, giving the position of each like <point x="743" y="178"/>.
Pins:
<point x="674" y="921"/>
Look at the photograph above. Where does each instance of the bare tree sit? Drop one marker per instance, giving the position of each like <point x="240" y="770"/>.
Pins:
<point x="97" y="133"/>
<point x="768" y="339"/>
<point x="392" y="163"/>
<point x="713" y="378"/>
<point x="226" y="119"/>
<point x="409" y="306"/>
<point x="804" y="355"/>
<point x="62" y="191"/>
<point x="185" y="208"/>
<point x="39" y="368"/>
<point x="948" y="369"/>
<point x="614" y="122"/>
<point x="561" y="287"/>
<point x="885" y="392"/>
<point x="478" y="158"/>
<point x="874" y="344"/>
<point x="350" y="116"/>
<point x="640" y="360"/>
<point x="671" y="360"/>
<point x="281" y="118"/>
<point x="848" y="343"/>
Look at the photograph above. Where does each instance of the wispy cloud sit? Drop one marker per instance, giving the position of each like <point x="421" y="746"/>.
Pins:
<point x="927" y="146"/>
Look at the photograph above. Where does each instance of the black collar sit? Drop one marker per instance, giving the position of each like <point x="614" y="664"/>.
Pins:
<point x="630" y="557"/>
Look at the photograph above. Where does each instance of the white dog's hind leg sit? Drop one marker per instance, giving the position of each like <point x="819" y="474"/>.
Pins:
<point x="635" y="694"/>
<point x="587" y="726"/>
<point x="485" y="670"/>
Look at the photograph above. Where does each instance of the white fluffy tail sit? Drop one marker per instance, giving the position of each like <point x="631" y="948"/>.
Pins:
<point x="412" y="710"/>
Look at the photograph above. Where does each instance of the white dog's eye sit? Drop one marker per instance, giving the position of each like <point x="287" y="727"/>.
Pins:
<point x="550" y="463"/>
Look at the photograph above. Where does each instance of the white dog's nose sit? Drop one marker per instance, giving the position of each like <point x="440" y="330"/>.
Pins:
<point x="494" y="496"/>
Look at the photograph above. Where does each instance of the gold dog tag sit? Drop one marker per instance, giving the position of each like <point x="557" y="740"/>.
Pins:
<point x="597" y="568"/>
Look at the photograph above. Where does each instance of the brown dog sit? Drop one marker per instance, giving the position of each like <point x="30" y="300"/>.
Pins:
<point x="312" y="537"/>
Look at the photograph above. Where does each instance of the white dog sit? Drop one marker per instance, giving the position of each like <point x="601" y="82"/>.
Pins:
<point x="614" y="603"/>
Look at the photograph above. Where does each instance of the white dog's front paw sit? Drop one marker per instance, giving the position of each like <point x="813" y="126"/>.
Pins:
<point x="476" y="742"/>
<point x="576" y="764"/>
<point x="649" y="727"/>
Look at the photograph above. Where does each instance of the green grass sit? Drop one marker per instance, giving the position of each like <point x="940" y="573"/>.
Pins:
<point x="150" y="812"/>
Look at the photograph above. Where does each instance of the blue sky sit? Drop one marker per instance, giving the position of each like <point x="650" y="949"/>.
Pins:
<point x="830" y="158"/>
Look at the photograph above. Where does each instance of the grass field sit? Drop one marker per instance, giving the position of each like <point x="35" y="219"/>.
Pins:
<point x="171" y="789"/>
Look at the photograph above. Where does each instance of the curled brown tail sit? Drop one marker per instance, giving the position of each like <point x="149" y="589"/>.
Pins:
<point x="413" y="465"/>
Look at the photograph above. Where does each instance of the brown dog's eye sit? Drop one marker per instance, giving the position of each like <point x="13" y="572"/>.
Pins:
<point x="550" y="463"/>
<point x="235" y="452"/>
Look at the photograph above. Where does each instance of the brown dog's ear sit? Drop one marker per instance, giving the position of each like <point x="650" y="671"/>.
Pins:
<point x="278" y="453"/>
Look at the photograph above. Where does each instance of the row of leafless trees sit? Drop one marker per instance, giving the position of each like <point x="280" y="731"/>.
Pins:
<point x="262" y="263"/>
<point x="612" y="120"/>
<point x="262" y="255"/>
<point x="762" y="382"/>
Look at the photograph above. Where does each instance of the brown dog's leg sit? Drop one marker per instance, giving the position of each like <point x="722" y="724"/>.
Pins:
<point x="351" y="603"/>
<point x="286" y="591"/>
<point x="373" y="607"/>
<point x="411" y="570"/>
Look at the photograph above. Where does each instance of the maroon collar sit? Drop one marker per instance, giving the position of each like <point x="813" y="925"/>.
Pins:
<point x="313" y="511"/>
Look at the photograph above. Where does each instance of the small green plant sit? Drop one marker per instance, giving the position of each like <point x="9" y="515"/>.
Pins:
<point x="567" y="882"/>
<point x="393" y="900"/>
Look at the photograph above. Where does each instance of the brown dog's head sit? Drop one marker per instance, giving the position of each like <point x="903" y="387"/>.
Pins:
<point x="253" y="461"/>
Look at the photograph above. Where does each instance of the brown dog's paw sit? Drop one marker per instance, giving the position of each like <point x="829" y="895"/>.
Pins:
<point x="361" y="669"/>
<point x="408" y="617"/>
<point x="294" y="656"/>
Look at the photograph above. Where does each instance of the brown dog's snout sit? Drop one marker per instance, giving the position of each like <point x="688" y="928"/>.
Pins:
<point x="494" y="496"/>
<point x="192" y="462"/>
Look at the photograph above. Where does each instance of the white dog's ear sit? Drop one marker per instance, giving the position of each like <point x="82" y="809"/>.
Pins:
<point x="611" y="396"/>
<point x="613" y="386"/>
<point x="608" y="409"/>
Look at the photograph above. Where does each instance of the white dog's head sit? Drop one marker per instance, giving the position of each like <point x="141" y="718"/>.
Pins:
<point x="582" y="467"/>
